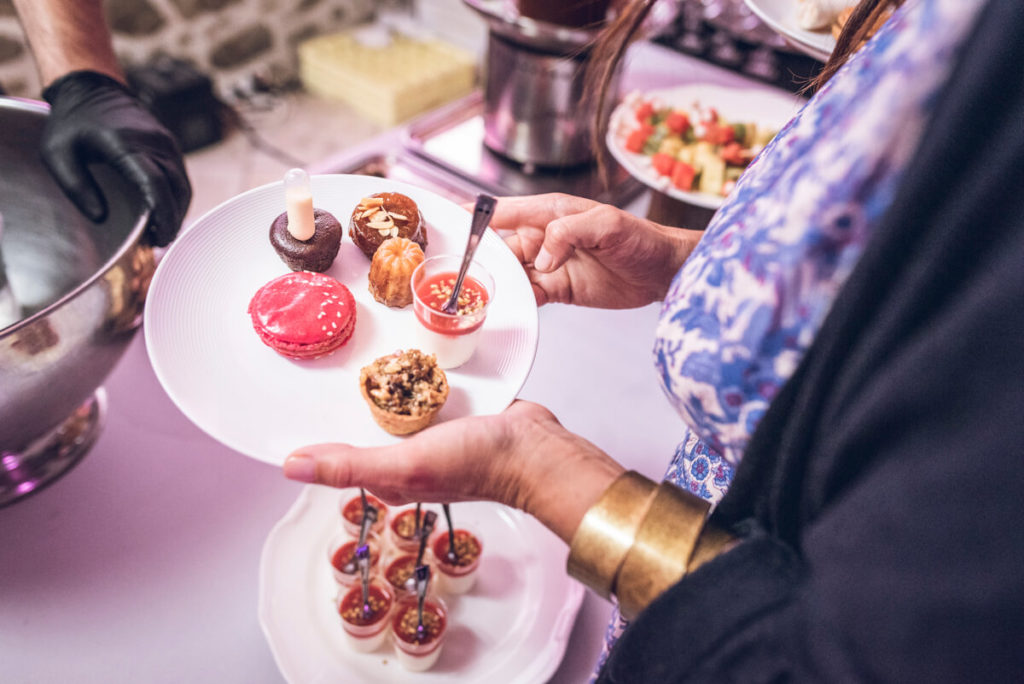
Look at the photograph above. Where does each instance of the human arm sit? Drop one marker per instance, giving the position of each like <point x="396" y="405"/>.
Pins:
<point x="522" y="457"/>
<point x="900" y="559"/>
<point x="578" y="251"/>
<point x="628" y="536"/>
<point x="94" y="118"/>
<point x="881" y="492"/>
<point x="67" y="36"/>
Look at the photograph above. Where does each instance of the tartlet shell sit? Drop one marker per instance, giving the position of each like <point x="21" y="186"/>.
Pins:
<point x="399" y="423"/>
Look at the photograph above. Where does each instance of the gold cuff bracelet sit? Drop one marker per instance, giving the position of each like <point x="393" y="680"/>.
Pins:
<point x="640" y="538"/>
<point x="607" y="532"/>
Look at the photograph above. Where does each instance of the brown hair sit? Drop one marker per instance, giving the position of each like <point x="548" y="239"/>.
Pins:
<point x="867" y="16"/>
<point x="609" y="48"/>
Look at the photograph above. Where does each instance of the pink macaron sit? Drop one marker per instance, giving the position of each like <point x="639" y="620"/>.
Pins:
<point x="303" y="315"/>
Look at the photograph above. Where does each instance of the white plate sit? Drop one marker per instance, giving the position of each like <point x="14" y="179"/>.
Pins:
<point x="763" y="107"/>
<point x="511" y="628"/>
<point x="215" y="368"/>
<point x="781" y="16"/>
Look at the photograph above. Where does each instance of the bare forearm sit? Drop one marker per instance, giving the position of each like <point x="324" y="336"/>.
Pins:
<point x="68" y="35"/>
<point x="560" y="503"/>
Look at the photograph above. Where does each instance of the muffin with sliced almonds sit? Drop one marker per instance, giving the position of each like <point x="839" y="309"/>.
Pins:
<point x="386" y="215"/>
<point x="404" y="390"/>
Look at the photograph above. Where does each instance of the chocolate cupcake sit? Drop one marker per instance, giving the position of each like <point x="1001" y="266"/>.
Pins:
<point x="315" y="254"/>
<point x="386" y="215"/>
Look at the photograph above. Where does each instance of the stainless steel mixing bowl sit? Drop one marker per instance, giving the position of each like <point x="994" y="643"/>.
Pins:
<point x="79" y="288"/>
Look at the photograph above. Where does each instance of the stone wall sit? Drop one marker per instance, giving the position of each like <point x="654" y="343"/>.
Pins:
<point x="228" y="39"/>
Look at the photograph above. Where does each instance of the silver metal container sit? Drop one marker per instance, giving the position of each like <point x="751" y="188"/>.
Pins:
<point x="78" y="289"/>
<point x="534" y="111"/>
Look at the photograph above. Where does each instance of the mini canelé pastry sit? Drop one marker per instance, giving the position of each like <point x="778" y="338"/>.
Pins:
<point x="386" y="215"/>
<point x="305" y="238"/>
<point x="391" y="271"/>
<point x="404" y="390"/>
<point x="303" y="315"/>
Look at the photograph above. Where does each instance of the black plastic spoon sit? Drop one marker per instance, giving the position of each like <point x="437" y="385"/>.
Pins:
<point x="422" y="580"/>
<point x="451" y="556"/>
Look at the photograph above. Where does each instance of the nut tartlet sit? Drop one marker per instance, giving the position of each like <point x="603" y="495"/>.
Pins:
<point x="404" y="390"/>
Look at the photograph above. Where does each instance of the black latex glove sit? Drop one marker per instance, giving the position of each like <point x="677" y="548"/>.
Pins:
<point x="93" y="118"/>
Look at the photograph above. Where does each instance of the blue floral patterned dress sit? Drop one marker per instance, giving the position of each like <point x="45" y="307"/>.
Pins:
<point x="744" y="308"/>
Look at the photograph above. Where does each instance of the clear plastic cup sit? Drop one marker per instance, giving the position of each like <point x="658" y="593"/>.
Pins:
<point x="456" y="576"/>
<point x="452" y="338"/>
<point x="351" y="509"/>
<point x="399" y="568"/>
<point x="401" y="530"/>
<point x="366" y="631"/>
<point x="341" y="554"/>
<point x="413" y="653"/>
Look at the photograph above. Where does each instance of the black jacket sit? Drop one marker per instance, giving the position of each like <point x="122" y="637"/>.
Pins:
<point x="882" y="495"/>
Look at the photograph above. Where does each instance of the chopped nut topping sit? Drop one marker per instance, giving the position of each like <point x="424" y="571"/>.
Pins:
<point x="405" y="626"/>
<point x="470" y="299"/>
<point x="352" y="611"/>
<point x="467" y="548"/>
<point x="408" y="383"/>
<point x="405" y="524"/>
<point x="401" y="570"/>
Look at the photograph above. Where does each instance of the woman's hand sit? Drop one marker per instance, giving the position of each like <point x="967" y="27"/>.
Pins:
<point x="577" y="251"/>
<point x="522" y="457"/>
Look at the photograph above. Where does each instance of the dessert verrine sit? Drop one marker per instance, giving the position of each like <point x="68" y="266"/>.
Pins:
<point x="352" y="514"/>
<point x="418" y="649"/>
<point x="404" y="390"/>
<point x="341" y="552"/>
<point x="456" y="557"/>
<point x="386" y="215"/>
<point x="451" y="337"/>
<point x="399" y="572"/>
<point x="403" y="529"/>
<point x="365" y="622"/>
<point x="405" y="570"/>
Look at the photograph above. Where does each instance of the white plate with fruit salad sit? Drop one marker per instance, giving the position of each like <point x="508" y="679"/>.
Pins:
<point x="228" y="381"/>
<point x="692" y="142"/>
<point x="511" y="626"/>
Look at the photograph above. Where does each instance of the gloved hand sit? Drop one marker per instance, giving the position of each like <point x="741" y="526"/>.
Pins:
<point x="94" y="118"/>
